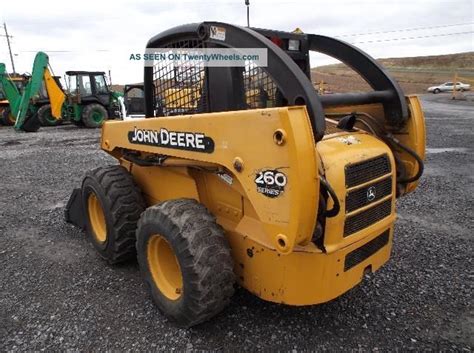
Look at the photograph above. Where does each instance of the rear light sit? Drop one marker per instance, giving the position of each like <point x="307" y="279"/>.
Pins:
<point x="278" y="41"/>
<point x="294" y="45"/>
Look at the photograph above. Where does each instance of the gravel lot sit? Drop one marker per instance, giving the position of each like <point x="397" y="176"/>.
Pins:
<point x="56" y="293"/>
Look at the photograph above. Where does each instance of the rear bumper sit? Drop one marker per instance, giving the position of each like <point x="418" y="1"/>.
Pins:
<point x="305" y="278"/>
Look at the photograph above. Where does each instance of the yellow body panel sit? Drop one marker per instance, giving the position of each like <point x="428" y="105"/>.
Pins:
<point x="413" y="135"/>
<point x="300" y="278"/>
<point x="270" y="237"/>
<point x="335" y="155"/>
<point x="288" y="219"/>
<point x="55" y="94"/>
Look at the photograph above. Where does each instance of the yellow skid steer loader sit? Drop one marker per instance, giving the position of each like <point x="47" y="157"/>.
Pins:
<point x="247" y="175"/>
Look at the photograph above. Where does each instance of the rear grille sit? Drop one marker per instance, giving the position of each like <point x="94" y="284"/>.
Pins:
<point x="361" y="172"/>
<point x="368" y="194"/>
<point x="368" y="217"/>
<point x="358" y="255"/>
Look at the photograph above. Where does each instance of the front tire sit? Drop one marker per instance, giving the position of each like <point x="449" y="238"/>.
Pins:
<point x="94" y="115"/>
<point x="112" y="204"/>
<point x="185" y="258"/>
<point x="436" y="91"/>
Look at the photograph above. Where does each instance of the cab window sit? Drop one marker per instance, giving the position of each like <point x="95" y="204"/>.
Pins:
<point x="100" y="85"/>
<point x="85" y="85"/>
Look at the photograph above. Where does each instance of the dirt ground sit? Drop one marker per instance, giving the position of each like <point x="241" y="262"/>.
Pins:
<point x="56" y="293"/>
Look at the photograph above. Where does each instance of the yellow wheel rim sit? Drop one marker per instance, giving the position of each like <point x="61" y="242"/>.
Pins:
<point x="164" y="267"/>
<point x="97" y="218"/>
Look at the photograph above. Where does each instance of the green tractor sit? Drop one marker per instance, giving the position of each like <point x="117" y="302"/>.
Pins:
<point x="89" y="101"/>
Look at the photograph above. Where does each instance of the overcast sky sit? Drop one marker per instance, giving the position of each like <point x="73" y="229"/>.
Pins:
<point x="100" y="35"/>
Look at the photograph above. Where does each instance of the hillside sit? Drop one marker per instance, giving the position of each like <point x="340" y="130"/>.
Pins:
<point x="414" y="74"/>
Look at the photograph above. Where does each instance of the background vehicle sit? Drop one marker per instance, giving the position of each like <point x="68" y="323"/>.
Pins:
<point x="6" y="118"/>
<point x="23" y="109"/>
<point x="89" y="101"/>
<point x="292" y="196"/>
<point x="449" y="87"/>
<point x="133" y="101"/>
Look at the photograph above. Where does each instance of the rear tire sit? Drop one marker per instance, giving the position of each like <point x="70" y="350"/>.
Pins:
<point x="7" y="118"/>
<point x="185" y="258"/>
<point x="94" y="115"/>
<point x="436" y="91"/>
<point x="46" y="118"/>
<point x="112" y="205"/>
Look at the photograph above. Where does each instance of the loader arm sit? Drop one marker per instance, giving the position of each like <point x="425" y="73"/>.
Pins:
<point x="21" y="105"/>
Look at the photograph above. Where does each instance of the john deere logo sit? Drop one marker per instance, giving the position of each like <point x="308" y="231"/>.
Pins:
<point x="371" y="193"/>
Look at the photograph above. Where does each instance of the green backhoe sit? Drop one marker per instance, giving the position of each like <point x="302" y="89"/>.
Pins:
<point x="88" y="103"/>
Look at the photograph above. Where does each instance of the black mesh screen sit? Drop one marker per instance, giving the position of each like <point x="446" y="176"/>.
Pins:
<point x="368" y="217"/>
<point x="358" y="255"/>
<point x="370" y="193"/>
<point x="179" y="86"/>
<point x="260" y="90"/>
<point x="361" y="172"/>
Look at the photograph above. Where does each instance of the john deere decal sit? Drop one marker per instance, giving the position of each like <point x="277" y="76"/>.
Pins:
<point x="189" y="141"/>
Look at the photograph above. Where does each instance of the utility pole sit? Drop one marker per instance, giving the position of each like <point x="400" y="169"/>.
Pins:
<point x="247" y="3"/>
<point x="9" y="46"/>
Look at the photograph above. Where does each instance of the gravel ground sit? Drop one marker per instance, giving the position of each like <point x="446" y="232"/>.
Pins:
<point x="56" y="293"/>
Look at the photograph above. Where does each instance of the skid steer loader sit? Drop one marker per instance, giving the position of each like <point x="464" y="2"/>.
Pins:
<point x="288" y="193"/>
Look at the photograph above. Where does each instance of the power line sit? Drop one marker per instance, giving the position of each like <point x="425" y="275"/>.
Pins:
<point x="62" y="51"/>
<point x="405" y="29"/>
<point x="409" y="38"/>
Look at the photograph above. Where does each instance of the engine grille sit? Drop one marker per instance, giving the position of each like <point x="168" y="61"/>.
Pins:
<point x="358" y="255"/>
<point x="361" y="172"/>
<point x="368" y="217"/>
<point x="361" y="197"/>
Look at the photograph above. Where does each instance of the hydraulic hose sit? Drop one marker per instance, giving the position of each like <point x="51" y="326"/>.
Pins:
<point x="336" y="207"/>
<point x="421" y="165"/>
<point x="390" y="138"/>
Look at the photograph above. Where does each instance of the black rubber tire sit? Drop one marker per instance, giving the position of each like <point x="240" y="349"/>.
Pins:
<point x="122" y="204"/>
<point x="436" y="91"/>
<point x="203" y="255"/>
<point x="45" y="118"/>
<point x="6" y="117"/>
<point x="90" y="111"/>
